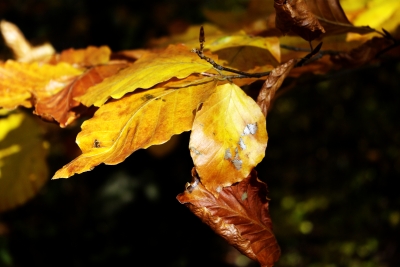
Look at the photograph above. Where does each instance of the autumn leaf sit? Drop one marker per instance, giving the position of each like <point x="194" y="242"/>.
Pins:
<point x="23" y="168"/>
<point x="150" y="69"/>
<point x="272" y="83"/>
<point x="312" y="18"/>
<point x="240" y="215"/>
<point x="18" y="81"/>
<point x="296" y="16"/>
<point x="137" y="120"/>
<point x="60" y="107"/>
<point x="363" y="54"/>
<point x="90" y="56"/>
<point x="228" y="137"/>
<point x="245" y="52"/>
<point x="22" y="49"/>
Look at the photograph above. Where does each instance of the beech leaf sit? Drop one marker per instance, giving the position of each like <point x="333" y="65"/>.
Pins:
<point x="137" y="120"/>
<point x="23" y="168"/>
<point x="150" y="69"/>
<point x="19" y="80"/>
<point x="240" y="215"/>
<point x="228" y="137"/>
<point x="22" y="49"/>
<point x="60" y="107"/>
<point x="272" y="83"/>
<point x="312" y="18"/>
<point x="90" y="56"/>
<point x="296" y="16"/>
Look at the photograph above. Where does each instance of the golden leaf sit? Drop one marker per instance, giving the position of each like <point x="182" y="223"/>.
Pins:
<point x="228" y="137"/>
<point x="23" y="168"/>
<point x="19" y="80"/>
<point x="150" y="69"/>
<point x="137" y="120"/>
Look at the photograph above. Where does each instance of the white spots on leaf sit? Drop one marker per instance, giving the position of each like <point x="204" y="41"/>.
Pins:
<point x="237" y="163"/>
<point x="219" y="189"/>
<point x="228" y="154"/>
<point x="242" y="144"/>
<point x="250" y="128"/>
<point x="244" y="196"/>
<point x="195" y="151"/>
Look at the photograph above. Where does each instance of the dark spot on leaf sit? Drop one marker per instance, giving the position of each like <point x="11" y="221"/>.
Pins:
<point x="147" y="97"/>
<point x="157" y="98"/>
<point x="96" y="143"/>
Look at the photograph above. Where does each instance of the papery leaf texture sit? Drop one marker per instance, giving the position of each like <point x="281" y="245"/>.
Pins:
<point x="228" y="137"/>
<point x="138" y="120"/>
<point x="273" y="83"/>
<point x="23" y="167"/>
<point x="18" y="81"/>
<point x="150" y="69"/>
<point x="363" y="54"/>
<point x="60" y="107"/>
<point x="332" y="17"/>
<point x="239" y="214"/>
<point x="296" y="16"/>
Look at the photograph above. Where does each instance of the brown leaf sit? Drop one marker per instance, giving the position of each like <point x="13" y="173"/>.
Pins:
<point x="332" y="17"/>
<point x="311" y="18"/>
<point x="296" y="16"/>
<point x="60" y="107"/>
<point x="240" y="215"/>
<point x="272" y="83"/>
<point x="363" y="54"/>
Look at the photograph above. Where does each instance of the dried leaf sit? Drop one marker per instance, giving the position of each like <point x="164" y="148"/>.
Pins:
<point x="296" y="16"/>
<point x="19" y="80"/>
<point x="137" y="120"/>
<point x="60" y="107"/>
<point x="228" y="137"/>
<point x="332" y="17"/>
<point x="149" y="70"/>
<point x="240" y="215"/>
<point x="23" y="168"/>
<point x="22" y="49"/>
<point x="362" y="55"/>
<point x="272" y="84"/>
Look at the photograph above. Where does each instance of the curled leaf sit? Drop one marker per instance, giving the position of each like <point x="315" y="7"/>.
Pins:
<point x="272" y="83"/>
<point x="296" y="16"/>
<point x="239" y="214"/>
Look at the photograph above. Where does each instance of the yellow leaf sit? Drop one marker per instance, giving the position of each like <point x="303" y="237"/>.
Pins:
<point x="152" y="68"/>
<point x="137" y="120"/>
<point x="245" y="52"/>
<point x="19" y="80"/>
<point x="228" y="137"/>
<point x="23" y="169"/>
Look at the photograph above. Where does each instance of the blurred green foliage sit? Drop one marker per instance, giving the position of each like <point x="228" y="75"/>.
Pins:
<point x="332" y="164"/>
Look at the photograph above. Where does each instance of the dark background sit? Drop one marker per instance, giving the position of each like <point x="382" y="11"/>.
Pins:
<point x="331" y="165"/>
